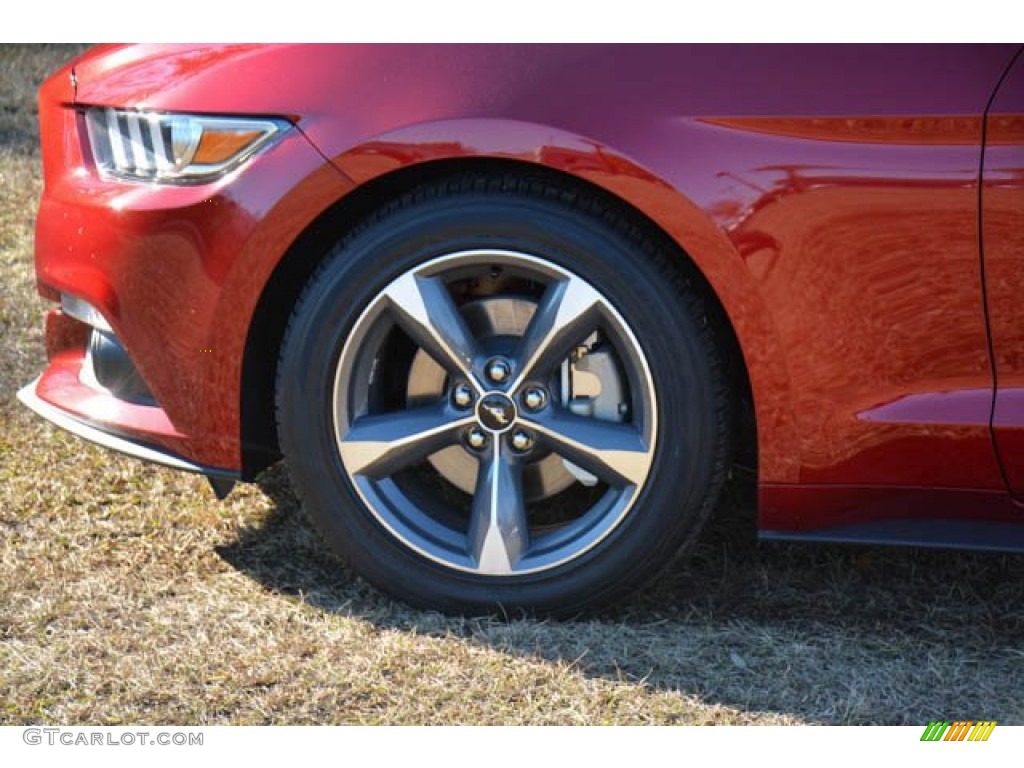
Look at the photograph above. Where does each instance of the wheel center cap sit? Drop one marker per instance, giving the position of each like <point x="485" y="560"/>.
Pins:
<point x="496" y="412"/>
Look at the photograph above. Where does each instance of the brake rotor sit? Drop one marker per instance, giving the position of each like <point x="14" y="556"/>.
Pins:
<point x="498" y="322"/>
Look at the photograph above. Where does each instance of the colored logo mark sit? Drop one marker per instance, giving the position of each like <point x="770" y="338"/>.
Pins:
<point x="961" y="730"/>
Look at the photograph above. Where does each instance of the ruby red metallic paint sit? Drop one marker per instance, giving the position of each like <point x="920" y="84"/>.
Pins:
<point x="829" y="194"/>
<point x="176" y="270"/>
<point x="1002" y="218"/>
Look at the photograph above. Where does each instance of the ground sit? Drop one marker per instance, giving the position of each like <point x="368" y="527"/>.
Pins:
<point x="128" y="594"/>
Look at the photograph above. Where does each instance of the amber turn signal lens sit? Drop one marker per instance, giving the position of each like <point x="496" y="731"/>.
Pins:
<point x="217" y="146"/>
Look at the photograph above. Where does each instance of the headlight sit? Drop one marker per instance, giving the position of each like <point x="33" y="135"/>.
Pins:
<point x="147" y="146"/>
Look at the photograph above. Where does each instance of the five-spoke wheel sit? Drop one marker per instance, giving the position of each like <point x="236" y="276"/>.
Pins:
<point x="508" y="400"/>
<point x="497" y="394"/>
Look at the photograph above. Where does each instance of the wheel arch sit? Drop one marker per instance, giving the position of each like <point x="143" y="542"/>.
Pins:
<point x="385" y="168"/>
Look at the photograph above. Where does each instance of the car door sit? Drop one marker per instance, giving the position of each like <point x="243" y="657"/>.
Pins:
<point x="1002" y="229"/>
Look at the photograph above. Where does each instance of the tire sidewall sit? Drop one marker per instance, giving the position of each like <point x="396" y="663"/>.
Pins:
<point x="672" y="503"/>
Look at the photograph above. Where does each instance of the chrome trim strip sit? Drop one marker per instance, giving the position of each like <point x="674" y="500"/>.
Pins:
<point x="83" y="311"/>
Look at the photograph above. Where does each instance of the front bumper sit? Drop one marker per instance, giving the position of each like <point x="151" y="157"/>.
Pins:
<point x="97" y="395"/>
<point x="176" y="272"/>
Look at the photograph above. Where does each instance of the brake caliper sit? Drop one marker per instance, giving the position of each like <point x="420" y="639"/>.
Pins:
<point x="592" y="387"/>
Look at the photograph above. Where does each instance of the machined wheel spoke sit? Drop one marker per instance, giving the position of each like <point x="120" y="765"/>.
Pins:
<point x="616" y="453"/>
<point x="566" y="315"/>
<point x="424" y="308"/>
<point x="488" y="413"/>
<point x="498" y="531"/>
<point x="379" y="446"/>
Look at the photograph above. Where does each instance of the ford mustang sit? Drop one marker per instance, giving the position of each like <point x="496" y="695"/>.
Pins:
<point x="511" y="314"/>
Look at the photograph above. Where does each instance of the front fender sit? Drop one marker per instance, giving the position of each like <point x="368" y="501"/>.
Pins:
<point x="705" y="243"/>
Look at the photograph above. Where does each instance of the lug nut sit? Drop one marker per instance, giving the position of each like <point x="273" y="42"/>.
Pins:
<point x="521" y="440"/>
<point x="462" y="395"/>
<point x="476" y="438"/>
<point x="535" y="398"/>
<point x="498" y="370"/>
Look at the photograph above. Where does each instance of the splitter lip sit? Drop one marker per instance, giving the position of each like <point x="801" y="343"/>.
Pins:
<point x="94" y="434"/>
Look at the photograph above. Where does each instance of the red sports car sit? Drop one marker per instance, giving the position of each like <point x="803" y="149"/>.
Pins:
<point x="510" y="314"/>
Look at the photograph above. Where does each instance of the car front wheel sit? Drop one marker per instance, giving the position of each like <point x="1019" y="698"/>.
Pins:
<point x="498" y="394"/>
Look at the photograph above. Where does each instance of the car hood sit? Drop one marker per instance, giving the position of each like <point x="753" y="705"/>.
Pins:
<point x="149" y="75"/>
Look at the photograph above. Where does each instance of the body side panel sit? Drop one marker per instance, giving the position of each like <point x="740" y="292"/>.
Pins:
<point x="1002" y="219"/>
<point x="827" y="193"/>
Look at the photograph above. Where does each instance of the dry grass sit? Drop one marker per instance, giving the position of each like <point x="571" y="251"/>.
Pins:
<point x="129" y="595"/>
<point x="22" y="69"/>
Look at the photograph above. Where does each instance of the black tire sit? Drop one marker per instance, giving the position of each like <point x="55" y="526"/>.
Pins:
<point x="397" y="529"/>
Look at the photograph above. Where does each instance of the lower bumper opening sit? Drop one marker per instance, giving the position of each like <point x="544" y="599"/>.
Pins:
<point x="107" y="365"/>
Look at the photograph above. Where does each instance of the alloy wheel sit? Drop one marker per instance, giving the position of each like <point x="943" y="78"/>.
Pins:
<point x="505" y="406"/>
